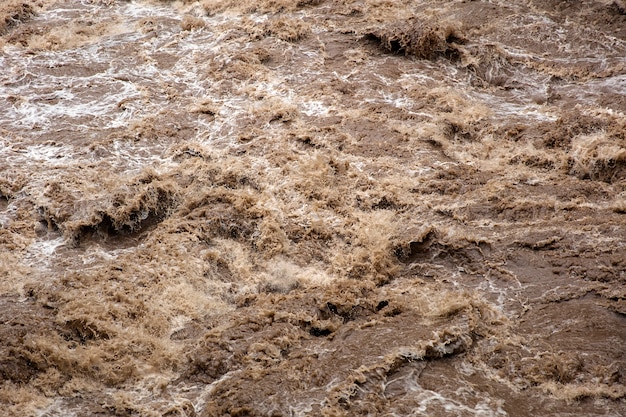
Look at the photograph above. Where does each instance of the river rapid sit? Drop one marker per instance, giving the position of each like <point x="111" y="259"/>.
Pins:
<point x="313" y="208"/>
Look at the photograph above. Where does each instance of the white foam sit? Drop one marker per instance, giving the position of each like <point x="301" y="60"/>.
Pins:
<point x="59" y="408"/>
<point x="40" y="253"/>
<point x="314" y="108"/>
<point x="427" y="398"/>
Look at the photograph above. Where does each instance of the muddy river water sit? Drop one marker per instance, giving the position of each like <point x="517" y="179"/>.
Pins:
<point x="313" y="207"/>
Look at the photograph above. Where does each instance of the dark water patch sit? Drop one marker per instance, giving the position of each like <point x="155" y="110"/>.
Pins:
<point x="417" y="38"/>
<point x="106" y="230"/>
<point x="573" y="357"/>
<point x="457" y="130"/>
<point x="129" y="212"/>
<point x="21" y="322"/>
<point x="4" y="202"/>
<point x="534" y="161"/>
<point x="262" y="344"/>
<point x="82" y="331"/>
<point x="431" y="247"/>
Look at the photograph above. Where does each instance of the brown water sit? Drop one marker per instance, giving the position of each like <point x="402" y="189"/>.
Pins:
<point x="336" y="208"/>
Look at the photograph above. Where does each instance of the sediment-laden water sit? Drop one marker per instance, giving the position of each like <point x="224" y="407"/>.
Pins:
<point x="333" y="208"/>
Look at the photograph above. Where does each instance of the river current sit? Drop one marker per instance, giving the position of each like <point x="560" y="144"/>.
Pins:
<point x="313" y="208"/>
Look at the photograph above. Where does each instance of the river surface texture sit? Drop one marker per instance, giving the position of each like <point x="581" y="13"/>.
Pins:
<point x="313" y="208"/>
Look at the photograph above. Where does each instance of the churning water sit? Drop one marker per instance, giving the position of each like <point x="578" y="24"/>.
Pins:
<point x="338" y="208"/>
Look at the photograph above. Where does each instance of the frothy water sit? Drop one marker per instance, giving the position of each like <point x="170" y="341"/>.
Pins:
<point x="312" y="208"/>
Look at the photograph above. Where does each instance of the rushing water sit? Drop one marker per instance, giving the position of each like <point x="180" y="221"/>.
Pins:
<point x="313" y="207"/>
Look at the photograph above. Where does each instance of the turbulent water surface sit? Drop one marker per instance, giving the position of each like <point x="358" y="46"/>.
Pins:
<point x="313" y="207"/>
